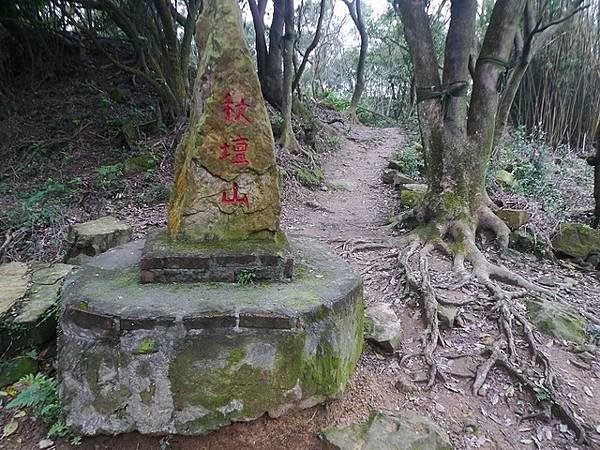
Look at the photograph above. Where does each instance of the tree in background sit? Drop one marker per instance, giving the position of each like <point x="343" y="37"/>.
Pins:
<point x="457" y="133"/>
<point x="161" y="37"/>
<point x="269" y="59"/>
<point x="355" y="11"/>
<point x="288" y="138"/>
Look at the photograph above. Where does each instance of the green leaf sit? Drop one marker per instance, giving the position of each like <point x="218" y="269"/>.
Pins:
<point x="10" y="428"/>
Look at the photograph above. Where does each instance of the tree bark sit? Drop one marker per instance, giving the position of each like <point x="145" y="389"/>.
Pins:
<point x="355" y="10"/>
<point x="311" y="46"/>
<point x="457" y="141"/>
<point x="288" y="138"/>
<point x="269" y="59"/>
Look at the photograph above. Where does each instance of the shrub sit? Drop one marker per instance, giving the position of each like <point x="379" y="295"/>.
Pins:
<point x="409" y="160"/>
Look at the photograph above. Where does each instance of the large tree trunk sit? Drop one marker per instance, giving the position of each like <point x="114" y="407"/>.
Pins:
<point x="457" y="141"/>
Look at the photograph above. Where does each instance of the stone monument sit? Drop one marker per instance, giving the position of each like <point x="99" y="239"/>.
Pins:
<point x="220" y="317"/>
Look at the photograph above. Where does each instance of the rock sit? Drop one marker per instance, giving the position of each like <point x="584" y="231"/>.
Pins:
<point x="395" y="165"/>
<point x="525" y="242"/>
<point x="45" y="443"/>
<point x="226" y="178"/>
<point x="388" y="176"/>
<point x="401" y="430"/>
<point x="558" y="320"/>
<point x="382" y="327"/>
<point x="406" y="386"/>
<point x="400" y="179"/>
<point x="14" y="281"/>
<point x="410" y="199"/>
<point x="416" y="187"/>
<point x="513" y="218"/>
<point x="447" y="314"/>
<point x="505" y="178"/>
<point x="30" y="319"/>
<point x="129" y="133"/>
<point x="94" y="237"/>
<point x="139" y="164"/>
<point x="593" y="259"/>
<point x="13" y="370"/>
<point x="576" y="240"/>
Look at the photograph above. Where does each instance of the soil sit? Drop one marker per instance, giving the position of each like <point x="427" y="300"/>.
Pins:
<point x="352" y="206"/>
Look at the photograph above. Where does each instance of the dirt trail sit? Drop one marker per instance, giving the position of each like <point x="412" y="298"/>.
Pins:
<point x="355" y="203"/>
<point x="352" y="205"/>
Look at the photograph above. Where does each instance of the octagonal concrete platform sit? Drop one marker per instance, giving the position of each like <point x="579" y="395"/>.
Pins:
<point x="187" y="358"/>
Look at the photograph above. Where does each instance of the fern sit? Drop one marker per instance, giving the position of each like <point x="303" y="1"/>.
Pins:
<point x="41" y="396"/>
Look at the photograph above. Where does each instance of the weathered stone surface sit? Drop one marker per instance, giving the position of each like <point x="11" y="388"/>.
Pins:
<point x="576" y="240"/>
<point x="410" y="198"/>
<point x="96" y="236"/>
<point x="556" y="319"/>
<point x="505" y="178"/>
<point x="226" y="181"/>
<point x="401" y="430"/>
<point x="527" y="242"/>
<point x="139" y="164"/>
<point x="165" y="261"/>
<point x="447" y="314"/>
<point x="190" y="357"/>
<point x="396" y="178"/>
<point x="30" y="319"/>
<point x="14" y="369"/>
<point x="513" y="218"/>
<point x="14" y="280"/>
<point x="382" y="327"/>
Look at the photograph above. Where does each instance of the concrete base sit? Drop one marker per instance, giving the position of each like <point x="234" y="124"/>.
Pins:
<point x="187" y="358"/>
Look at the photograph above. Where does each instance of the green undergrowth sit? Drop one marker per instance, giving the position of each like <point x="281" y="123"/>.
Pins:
<point x="41" y="396"/>
<point x="533" y="164"/>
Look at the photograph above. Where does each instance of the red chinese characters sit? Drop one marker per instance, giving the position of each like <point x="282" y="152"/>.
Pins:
<point x="235" y="151"/>
<point x="240" y="147"/>
<point x="235" y="112"/>
<point x="235" y="198"/>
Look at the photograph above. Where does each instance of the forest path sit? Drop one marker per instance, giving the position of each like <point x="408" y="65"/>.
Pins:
<point x="353" y="203"/>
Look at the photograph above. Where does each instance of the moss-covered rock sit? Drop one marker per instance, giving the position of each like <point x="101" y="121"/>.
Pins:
<point x="402" y="430"/>
<point x="410" y="198"/>
<point x="190" y="357"/>
<point x="525" y="241"/>
<point x="505" y="178"/>
<point x="14" y="369"/>
<point x="139" y="164"/>
<point x="576" y="240"/>
<point x="556" y="319"/>
<point x="30" y="318"/>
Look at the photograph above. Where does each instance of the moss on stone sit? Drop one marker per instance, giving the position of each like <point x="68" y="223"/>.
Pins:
<point x="148" y="394"/>
<point x="145" y="346"/>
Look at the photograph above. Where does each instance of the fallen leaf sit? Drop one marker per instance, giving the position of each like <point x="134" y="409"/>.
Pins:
<point x="20" y="414"/>
<point x="9" y="428"/>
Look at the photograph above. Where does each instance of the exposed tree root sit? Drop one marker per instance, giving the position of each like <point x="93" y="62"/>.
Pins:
<point x="456" y="239"/>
